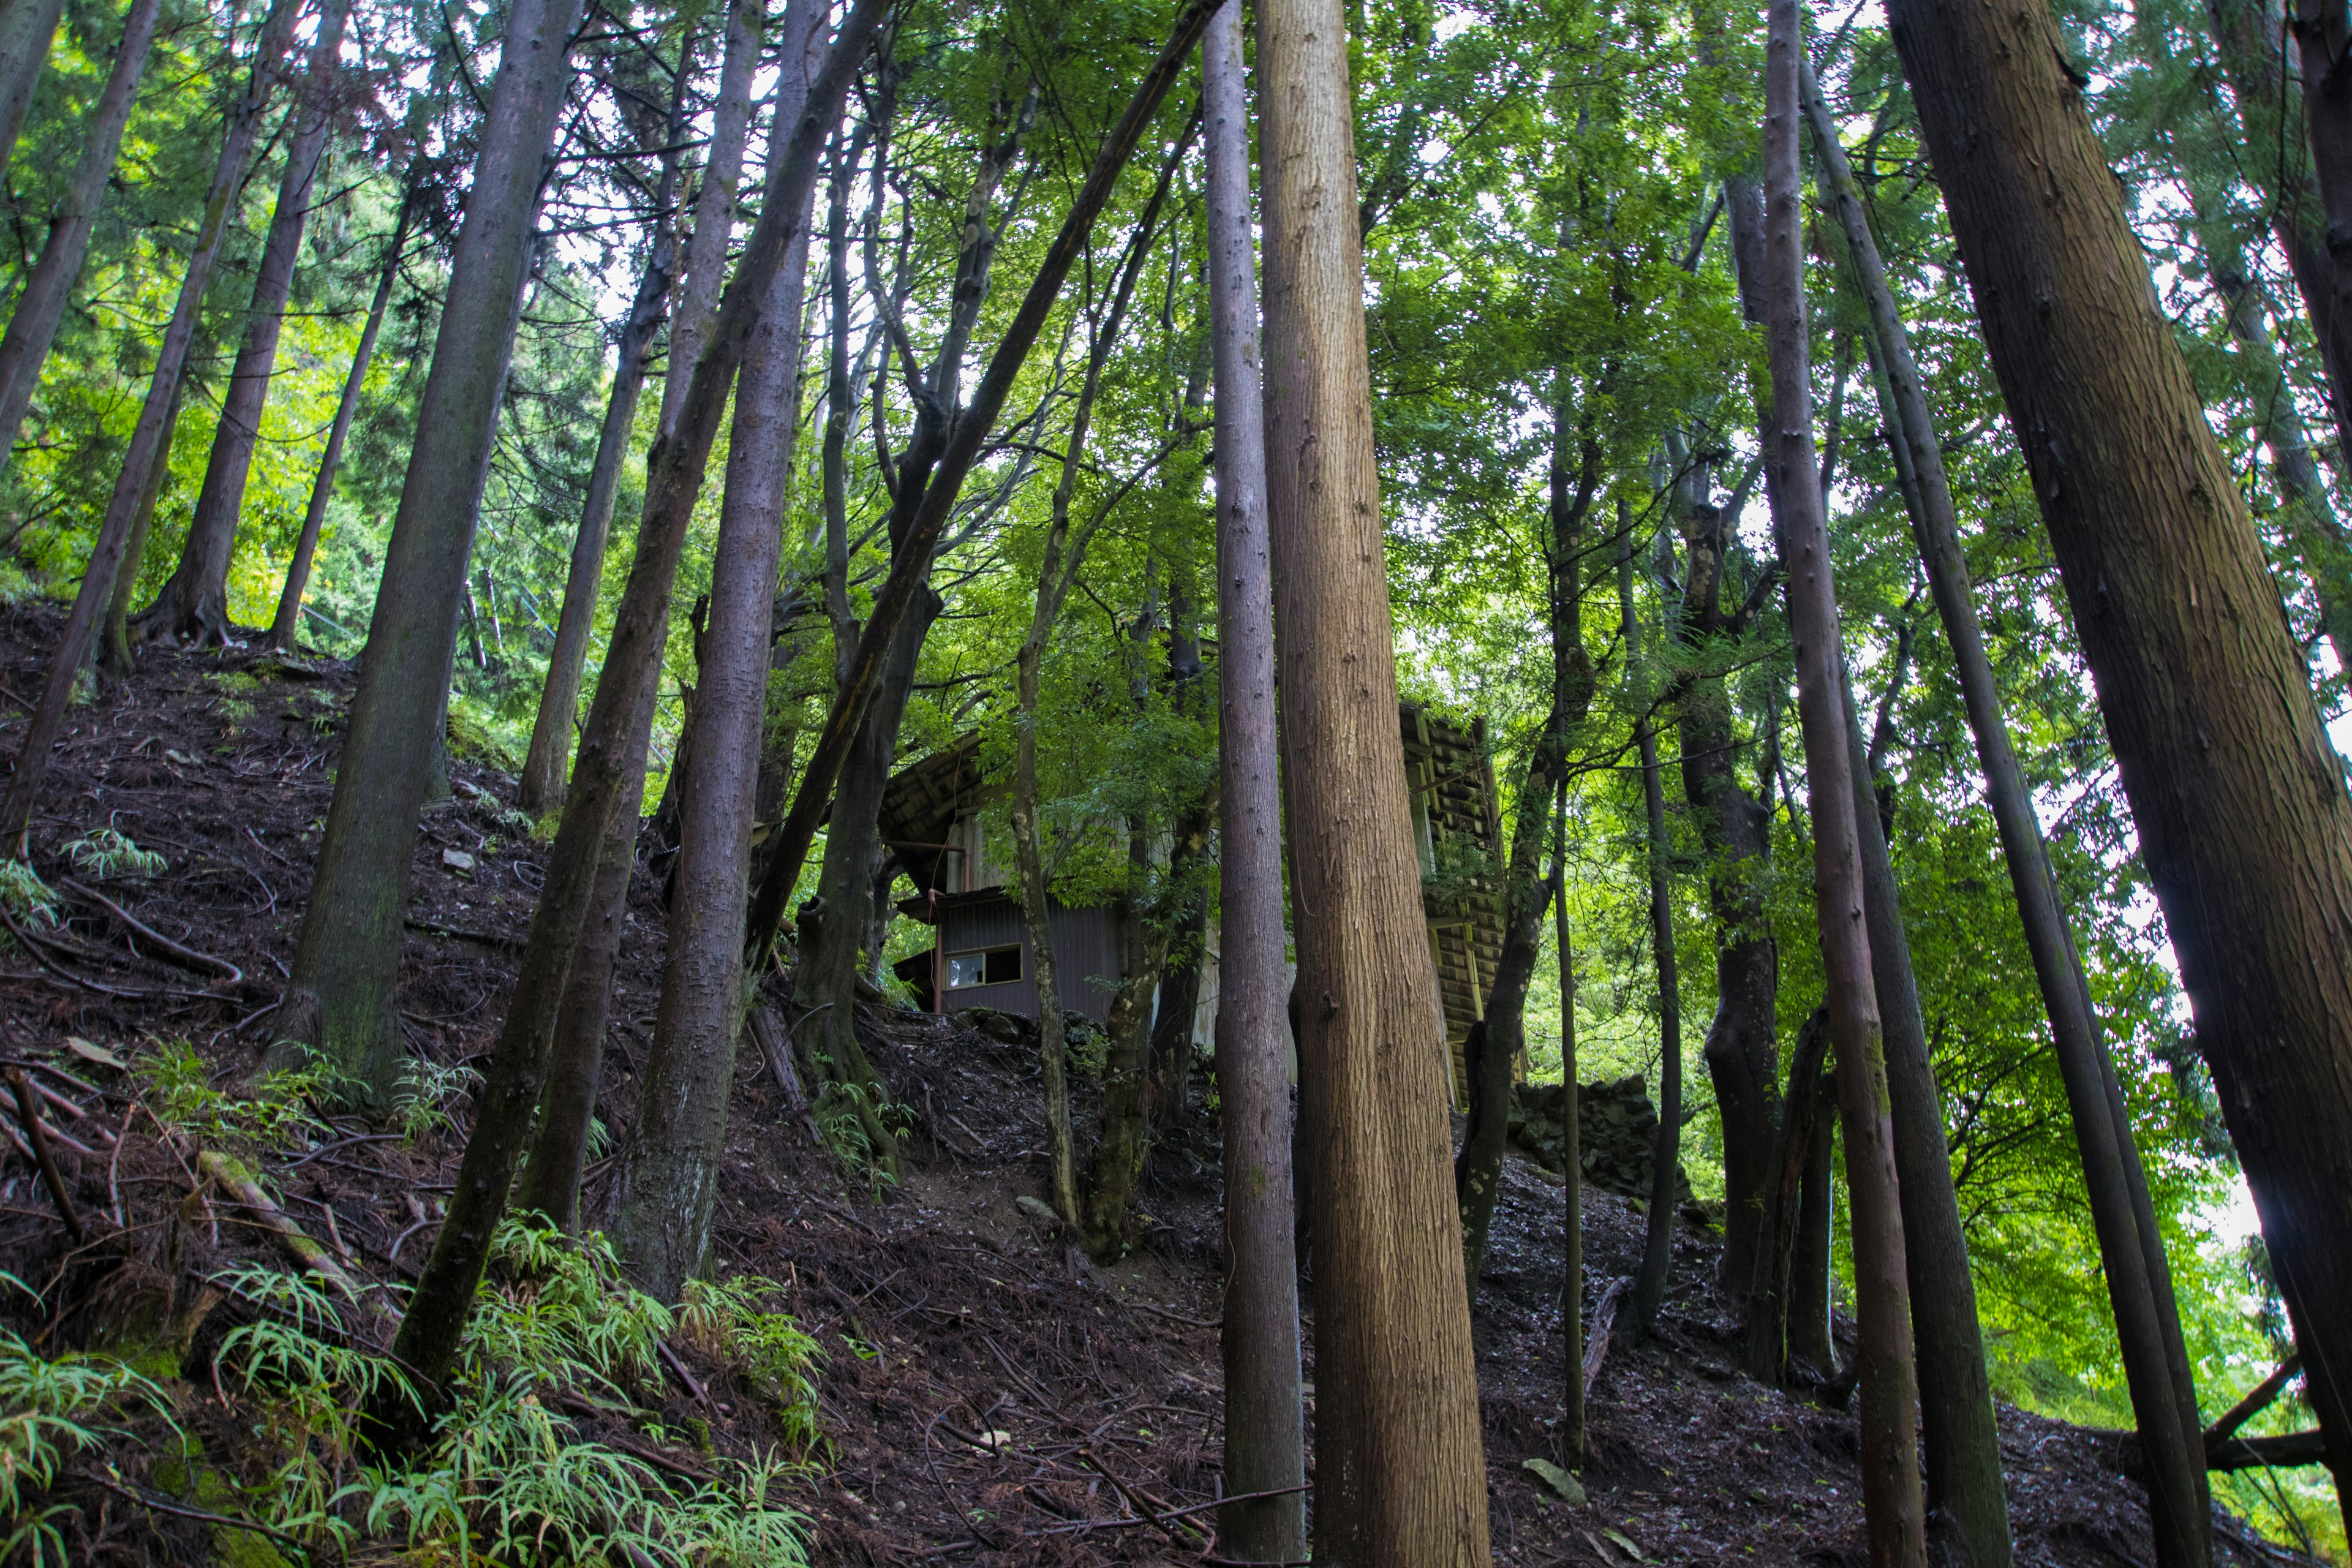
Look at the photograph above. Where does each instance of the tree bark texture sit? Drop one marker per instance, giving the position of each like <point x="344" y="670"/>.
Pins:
<point x="716" y="202"/>
<point x="26" y="30"/>
<point x="193" y="604"/>
<point x="2138" y="1280"/>
<point x="286" y="624"/>
<point x="340" y="998"/>
<point x="540" y="788"/>
<point x="1649" y="1292"/>
<point x="1399" y="1474"/>
<point x="1265" y="1426"/>
<point x="41" y="300"/>
<point x="108" y="550"/>
<point x="621" y="708"/>
<point x="1892" y="1504"/>
<point x="927" y="510"/>
<point x="669" y="1174"/>
<point x="2236" y="793"/>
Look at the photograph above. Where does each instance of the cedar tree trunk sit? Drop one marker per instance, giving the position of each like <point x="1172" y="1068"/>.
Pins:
<point x="1400" y="1473"/>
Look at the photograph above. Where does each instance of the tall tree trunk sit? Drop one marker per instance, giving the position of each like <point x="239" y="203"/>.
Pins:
<point x="921" y="510"/>
<point x="1168" y="1066"/>
<point x="1742" y="1050"/>
<point x="669" y="1177"/>
<point x="340" y="999"/>
<point x="1264" y="1427"/>
<point x="2138" y="1280"/>
<point x="622" y="709"/>
<point x="1499" y="1037"/>
<point x="715" y="205"/>
<point x="1572" y="1440"/>
<point x="288" y="623"/>
<point x="26" y="30"/>
<point x="2270" y="111"/>
<point x="1965" y="1500"/>
<point x="113" y="652"/>
<point x="1064" y="555"/>
<point x="1649" y="1292"/>
<point x="2311" y="525"/>
<point x="540" y="788"/>
<point x="2322" y="38"/>
<point x="1892" y="1506"/>
<point x="194" y="606"/>
<point x="41" y="302"/>
<point x="1400" y="1473"/>
<point x="1810" y="1294"/>
<point x="107" y="552"/>
<point x="550" y="1177"/>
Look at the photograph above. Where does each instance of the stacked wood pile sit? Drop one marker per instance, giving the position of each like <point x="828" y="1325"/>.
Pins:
<point x="1617" y="1128"/>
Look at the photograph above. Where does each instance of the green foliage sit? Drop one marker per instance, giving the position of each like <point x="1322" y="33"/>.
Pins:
<point x="50" y="1410"/>
<point x="24" y="895"/>
<point x="425" y="1097"/>
<point x="279" y="1108"/>
<point x="728" y="1318"/>
<point x="106" y="854"/>
<point x="505" y="1477"/>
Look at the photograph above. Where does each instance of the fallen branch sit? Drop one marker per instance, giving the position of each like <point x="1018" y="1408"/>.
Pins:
<point x="1176" y="1317"/>
<point x="145" y="1499"/>
<point x="2284" y="1452"/>
<point x="2253" y="1403"/>
<point x="33" y="944"/>
<point x="459" y="934"/>
<point x="678" y="1370"/>
<point x="233" y="1178"/>
<point x="1604" y="1319"/>
<point x="1154" y="1511"/>
<point x="188" y="957"/>
<point x="776" y="1047"/>
<point x="37" y="1130"/>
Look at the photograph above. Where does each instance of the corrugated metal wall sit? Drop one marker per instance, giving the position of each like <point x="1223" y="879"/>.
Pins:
<point x="1085" y="956"/>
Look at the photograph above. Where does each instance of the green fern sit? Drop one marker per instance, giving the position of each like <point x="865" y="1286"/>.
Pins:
<point x="107" y="854"/>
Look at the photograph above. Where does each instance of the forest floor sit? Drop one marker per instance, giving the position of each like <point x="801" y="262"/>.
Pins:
<point x="990" y="1397"/>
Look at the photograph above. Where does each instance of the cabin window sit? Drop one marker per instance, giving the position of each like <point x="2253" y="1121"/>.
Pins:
<point x="989" y="966"/>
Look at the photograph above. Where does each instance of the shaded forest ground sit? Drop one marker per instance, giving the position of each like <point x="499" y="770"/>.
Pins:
<point x="990" y="1398"/>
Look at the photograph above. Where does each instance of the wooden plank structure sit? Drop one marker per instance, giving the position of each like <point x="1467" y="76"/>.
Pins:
<point x="928" y="821"/>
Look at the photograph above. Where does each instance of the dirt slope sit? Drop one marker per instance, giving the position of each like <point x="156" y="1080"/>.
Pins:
<point x="990" y="1398"/>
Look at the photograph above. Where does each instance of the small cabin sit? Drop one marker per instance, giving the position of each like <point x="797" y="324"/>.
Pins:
<point x="932" y="822"/>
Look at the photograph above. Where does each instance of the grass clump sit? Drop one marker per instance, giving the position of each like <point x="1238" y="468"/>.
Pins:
<point x="279" y="1108"/>
<point x="108" y="855"/>
<point x="50" y="1410"/>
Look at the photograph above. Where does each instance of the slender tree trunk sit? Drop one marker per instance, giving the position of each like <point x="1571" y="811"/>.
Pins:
<point x="1265" y="1427"/>
<point x="1399" y="1474"/>
<point x="669" y="1177"/>
<point x="1965" y="1500"/>
<point x="113" y="651"/>
<point x="286" y="626"/>
<point x="107" y="552"/>
<point x="2311" y="525"/>
<point x="1742" y="1050"/>
<point x="1892" y="1504"/>
<point x="1499" y="1037"/>
<point x="715" y="205"/>
<point x="194" y="606"/>
<point x="340" y="998"/>
<point x="2133" y="1258"/>
<point x="2271" y="111"/>
<point x="540" y="789"/>
<point x="621" y="708"/>
<point x="1809" y="1340"/>
<point x="1572" y="1440"/>
<point x="550" y="1182"/>
<point x="1649" y="1292"/>
<point x="2322" y="38"/>
<point x="924" y="505"/>
<point x="1772" y="1291"/>
<point x="41" y="302"/>
<point x="26" y="30"/>
<point x="2139" y="1287"/>
<point x="1169" y="1061"/>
